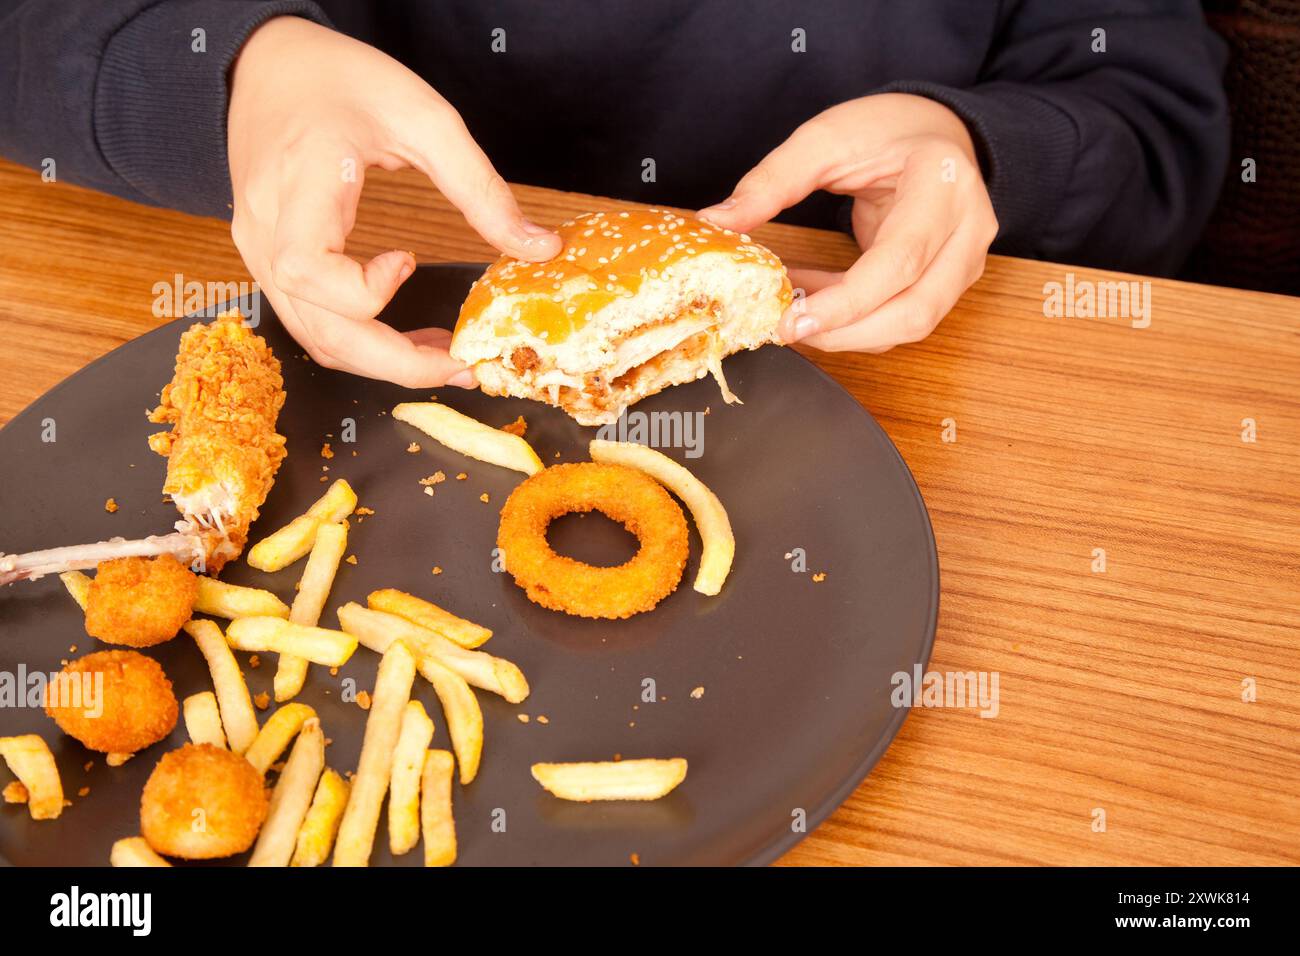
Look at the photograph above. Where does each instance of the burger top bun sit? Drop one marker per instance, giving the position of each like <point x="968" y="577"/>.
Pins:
<point x="635" y="301"/>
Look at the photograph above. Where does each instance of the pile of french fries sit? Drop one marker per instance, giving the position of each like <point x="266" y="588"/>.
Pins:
<point x="313" y="809"/>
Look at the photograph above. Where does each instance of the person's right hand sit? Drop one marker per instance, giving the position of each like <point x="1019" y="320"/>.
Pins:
<point x="310" y="110"/>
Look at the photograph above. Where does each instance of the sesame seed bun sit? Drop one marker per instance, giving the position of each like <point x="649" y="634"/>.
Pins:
<point x="635" y="301"/>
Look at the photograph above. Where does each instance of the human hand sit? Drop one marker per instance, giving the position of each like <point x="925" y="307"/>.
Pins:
<point x="921" y="214"/>
<point x="310" y="110"/>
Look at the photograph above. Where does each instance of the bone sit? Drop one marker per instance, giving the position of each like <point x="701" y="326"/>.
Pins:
<point x="78" y="557"/>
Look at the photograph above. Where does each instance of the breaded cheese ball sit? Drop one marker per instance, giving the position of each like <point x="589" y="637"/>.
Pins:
<point x="140" y="602"/>
<point x="202" y="802"/>
<point x="113" y="701"/>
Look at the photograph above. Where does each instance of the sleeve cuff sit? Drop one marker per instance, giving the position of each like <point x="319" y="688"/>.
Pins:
<point x="1027" y="148"/>
<point x="160" y="106"/>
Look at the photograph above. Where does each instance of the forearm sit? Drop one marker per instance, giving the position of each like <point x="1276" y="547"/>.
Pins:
<point x="1108" y="158"/>
<point x="127" y="96"/>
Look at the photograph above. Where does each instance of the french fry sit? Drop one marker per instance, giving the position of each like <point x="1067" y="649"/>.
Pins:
<point x="274" y="634"/>
<point x="404" y="781"/>
<point x="274" y="737"/>
<point x="29" y="757"/>
<point x="461" y="711"/>
<point x="435" y="810"/>
<point x="313" y="589"/>
<point x="203" y="719"/>
<point x="378" y="629"/>
<point x="295" y="539"/>
<point x="469" y="436"/>
<point x="232" y="601"/>
<point x="719" y="544"/>
<point x="237" y="714"/>
<point x="611" y="780"/>
<point x="356" y="836"/>
<point x="78" y="586"/>
<point x="316" y="835"/>
<point x="427" y="614"/>
<point x="291" y="798"/>
<point x="134" y="851"/>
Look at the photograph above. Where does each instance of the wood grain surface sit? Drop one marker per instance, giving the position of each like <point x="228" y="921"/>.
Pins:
<point x="1120" y="690"/>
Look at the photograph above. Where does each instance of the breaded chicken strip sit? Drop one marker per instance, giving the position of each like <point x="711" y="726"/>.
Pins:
<point x="223" y="453"/>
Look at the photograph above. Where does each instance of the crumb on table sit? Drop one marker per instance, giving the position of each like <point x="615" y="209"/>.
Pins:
<point x="518" y="427"/>
<point x="110" y="505"/>
<point x="363" y="699"/>
<point x="697" y="693"/>
<point x="462" y="476"/>
<point x="437" y="570"/>
<point x="326" y="451"/>
<point x="413" y="447"/>
<point x="351" y="559"/>
<point x="819" y="577"/>
<point x="262" y="700"/>
<point x="484" y="498"/>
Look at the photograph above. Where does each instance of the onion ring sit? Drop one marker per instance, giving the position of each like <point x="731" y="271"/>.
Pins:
<point x="560" y="583"/>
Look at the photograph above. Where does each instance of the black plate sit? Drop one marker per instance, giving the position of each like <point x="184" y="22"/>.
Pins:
<point x="796" y="674"/>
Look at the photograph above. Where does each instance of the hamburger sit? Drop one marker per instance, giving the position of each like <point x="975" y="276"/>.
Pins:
<point x="635" y="301"/>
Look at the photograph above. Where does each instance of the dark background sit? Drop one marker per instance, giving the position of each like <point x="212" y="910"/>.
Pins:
<point x="1253" y="238"/>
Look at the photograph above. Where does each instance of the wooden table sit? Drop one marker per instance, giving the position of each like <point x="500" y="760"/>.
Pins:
<point x="1120" y="690"/>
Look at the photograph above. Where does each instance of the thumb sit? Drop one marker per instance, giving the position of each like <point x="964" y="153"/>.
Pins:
<point x="445" y="151"/>
<point x="782" y="178"/>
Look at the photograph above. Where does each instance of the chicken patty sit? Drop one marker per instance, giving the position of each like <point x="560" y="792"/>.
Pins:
<point x="202" y="802"/>
<point x="140" y="602"/>
<point x="113" y="701"/>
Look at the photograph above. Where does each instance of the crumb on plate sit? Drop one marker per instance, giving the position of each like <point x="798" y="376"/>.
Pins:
<point x="15" y="792"/>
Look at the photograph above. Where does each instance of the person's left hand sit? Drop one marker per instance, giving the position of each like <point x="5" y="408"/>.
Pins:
<point x="920" y="212"/>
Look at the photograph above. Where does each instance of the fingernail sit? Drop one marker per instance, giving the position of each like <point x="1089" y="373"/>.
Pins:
<point x="405" y="272"/>
<point x="804" y="326"/>
<point x="535" y="230"/>
<point x="464" y="379"/>
<point x="727" y="203"/>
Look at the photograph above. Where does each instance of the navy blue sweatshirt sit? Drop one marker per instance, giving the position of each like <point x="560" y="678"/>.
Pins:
<point x="1110" y="158"/>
